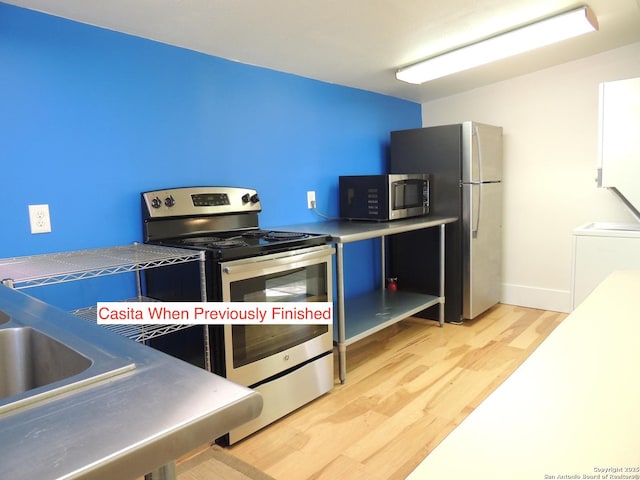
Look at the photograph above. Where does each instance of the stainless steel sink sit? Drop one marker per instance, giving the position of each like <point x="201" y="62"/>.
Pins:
<point x="30" y="359"/>
<point x="38" y="362"/>
<point x="121" y="417"/>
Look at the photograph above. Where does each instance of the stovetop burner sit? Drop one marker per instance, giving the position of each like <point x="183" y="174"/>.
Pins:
<point x="231" y="243"/>
<point x="236" y="239"/>
<point x="199" y="241"/>
<point x="277" y="236"/>
<point x="212" y="242"/>
<point x="249" y="242"/>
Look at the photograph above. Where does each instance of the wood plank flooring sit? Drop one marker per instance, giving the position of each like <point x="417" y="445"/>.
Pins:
<point x="407" y="387"/>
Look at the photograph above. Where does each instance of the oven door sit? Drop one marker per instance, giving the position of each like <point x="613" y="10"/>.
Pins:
<point x="255" y="353"/>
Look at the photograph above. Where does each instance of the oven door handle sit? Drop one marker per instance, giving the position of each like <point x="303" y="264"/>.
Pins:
<point x="290" y="259"/>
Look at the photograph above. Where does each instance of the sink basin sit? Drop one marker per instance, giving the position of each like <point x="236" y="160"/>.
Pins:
<point x="37" y="362"/>
<point x="30" y="359"/>
<point x="79" y="401"/>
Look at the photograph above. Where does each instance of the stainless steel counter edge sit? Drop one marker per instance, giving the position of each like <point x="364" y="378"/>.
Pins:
<point x="123" y="426"/>
<point x="346" y="231"/>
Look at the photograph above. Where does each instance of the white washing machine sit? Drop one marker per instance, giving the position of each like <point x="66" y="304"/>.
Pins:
<point x="600" y="249"/>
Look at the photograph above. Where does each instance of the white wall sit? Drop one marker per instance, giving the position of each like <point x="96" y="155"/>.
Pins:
<point x="550" y="122"/>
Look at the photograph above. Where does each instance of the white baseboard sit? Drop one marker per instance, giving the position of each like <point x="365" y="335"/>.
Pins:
<point x="536" y="297"/>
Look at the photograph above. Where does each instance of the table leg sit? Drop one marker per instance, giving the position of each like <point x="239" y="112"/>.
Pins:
<point x="203" y="297"/>
<point x="383" y="263"/>
<point x="342" y="348"/>
<point x="165" y="472"/>
<point x="442" y="298"/>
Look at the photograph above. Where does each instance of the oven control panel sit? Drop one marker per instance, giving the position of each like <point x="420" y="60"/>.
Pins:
<point x="188" y="201"/>
<point x="210" y="199"/>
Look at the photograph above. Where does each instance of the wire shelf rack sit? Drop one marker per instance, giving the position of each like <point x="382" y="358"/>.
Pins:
<point x="52" y="268"/>
<point x="137" y="332"/>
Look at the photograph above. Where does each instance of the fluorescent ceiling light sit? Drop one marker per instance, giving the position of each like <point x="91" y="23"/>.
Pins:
<point x="532" y="36"/>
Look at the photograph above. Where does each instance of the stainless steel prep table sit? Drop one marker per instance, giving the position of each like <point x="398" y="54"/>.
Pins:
<point x="120" y="427"/>
<point x="374" y="311"/>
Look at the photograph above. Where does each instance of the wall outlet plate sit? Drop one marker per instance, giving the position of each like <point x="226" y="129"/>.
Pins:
<point x="311" y="199"/>
<point x="39" y="218"/>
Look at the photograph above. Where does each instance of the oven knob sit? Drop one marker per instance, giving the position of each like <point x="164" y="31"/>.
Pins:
<point x="286" y="358"/>
<point x="255" y="198"/>
<point x="156" y="203"/>
<point x="169" y="201"/>
<point x="245" y="198"/>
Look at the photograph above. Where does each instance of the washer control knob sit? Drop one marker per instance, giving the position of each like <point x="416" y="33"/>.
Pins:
<point x="156" y="203"/>
<point x="255" y="198"/>
<point x="169" y="201"/>
<point x="245" y="198"/>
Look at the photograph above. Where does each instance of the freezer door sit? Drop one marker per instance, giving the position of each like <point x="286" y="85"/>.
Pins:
<point x="482" y="247"/>
<point x="481" y="153"/>
<point x="436" y="151"/>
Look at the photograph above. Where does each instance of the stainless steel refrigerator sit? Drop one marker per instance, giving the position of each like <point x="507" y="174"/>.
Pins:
<point x="465" y="164"/>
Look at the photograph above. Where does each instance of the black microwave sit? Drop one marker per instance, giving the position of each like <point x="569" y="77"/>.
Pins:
<point x="384" y="197"/>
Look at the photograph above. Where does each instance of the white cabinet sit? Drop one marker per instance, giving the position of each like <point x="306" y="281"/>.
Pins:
<point x="619" y="140"/>
<point x="598" y="250"/>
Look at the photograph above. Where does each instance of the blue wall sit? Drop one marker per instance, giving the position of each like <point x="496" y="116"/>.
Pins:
<point x="90" y="118"/>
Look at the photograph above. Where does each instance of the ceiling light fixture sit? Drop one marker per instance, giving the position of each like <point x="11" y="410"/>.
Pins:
<point x="544" y="32"/>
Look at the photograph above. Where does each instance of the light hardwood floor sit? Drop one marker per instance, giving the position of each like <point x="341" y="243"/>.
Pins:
<point x="407" y="387"/>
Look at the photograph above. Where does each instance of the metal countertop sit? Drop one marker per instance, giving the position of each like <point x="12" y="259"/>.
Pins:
<point x="346" y="231"/>
<point x="120" y="427"/>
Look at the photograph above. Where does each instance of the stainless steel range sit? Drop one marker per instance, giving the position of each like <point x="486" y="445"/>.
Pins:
<point x="289" y="364"/>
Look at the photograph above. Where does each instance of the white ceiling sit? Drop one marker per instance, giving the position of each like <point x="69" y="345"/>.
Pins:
<point x="357" y="43"/>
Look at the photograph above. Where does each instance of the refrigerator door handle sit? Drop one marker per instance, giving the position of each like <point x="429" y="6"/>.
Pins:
<point x="476" y="136"/>
<point x="478" y="208"/>
<point x="476" y="223"/>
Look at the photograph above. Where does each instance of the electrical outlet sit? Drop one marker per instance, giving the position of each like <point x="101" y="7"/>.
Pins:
<point x="39" y="218"/>
<point x="311" y="199"/>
